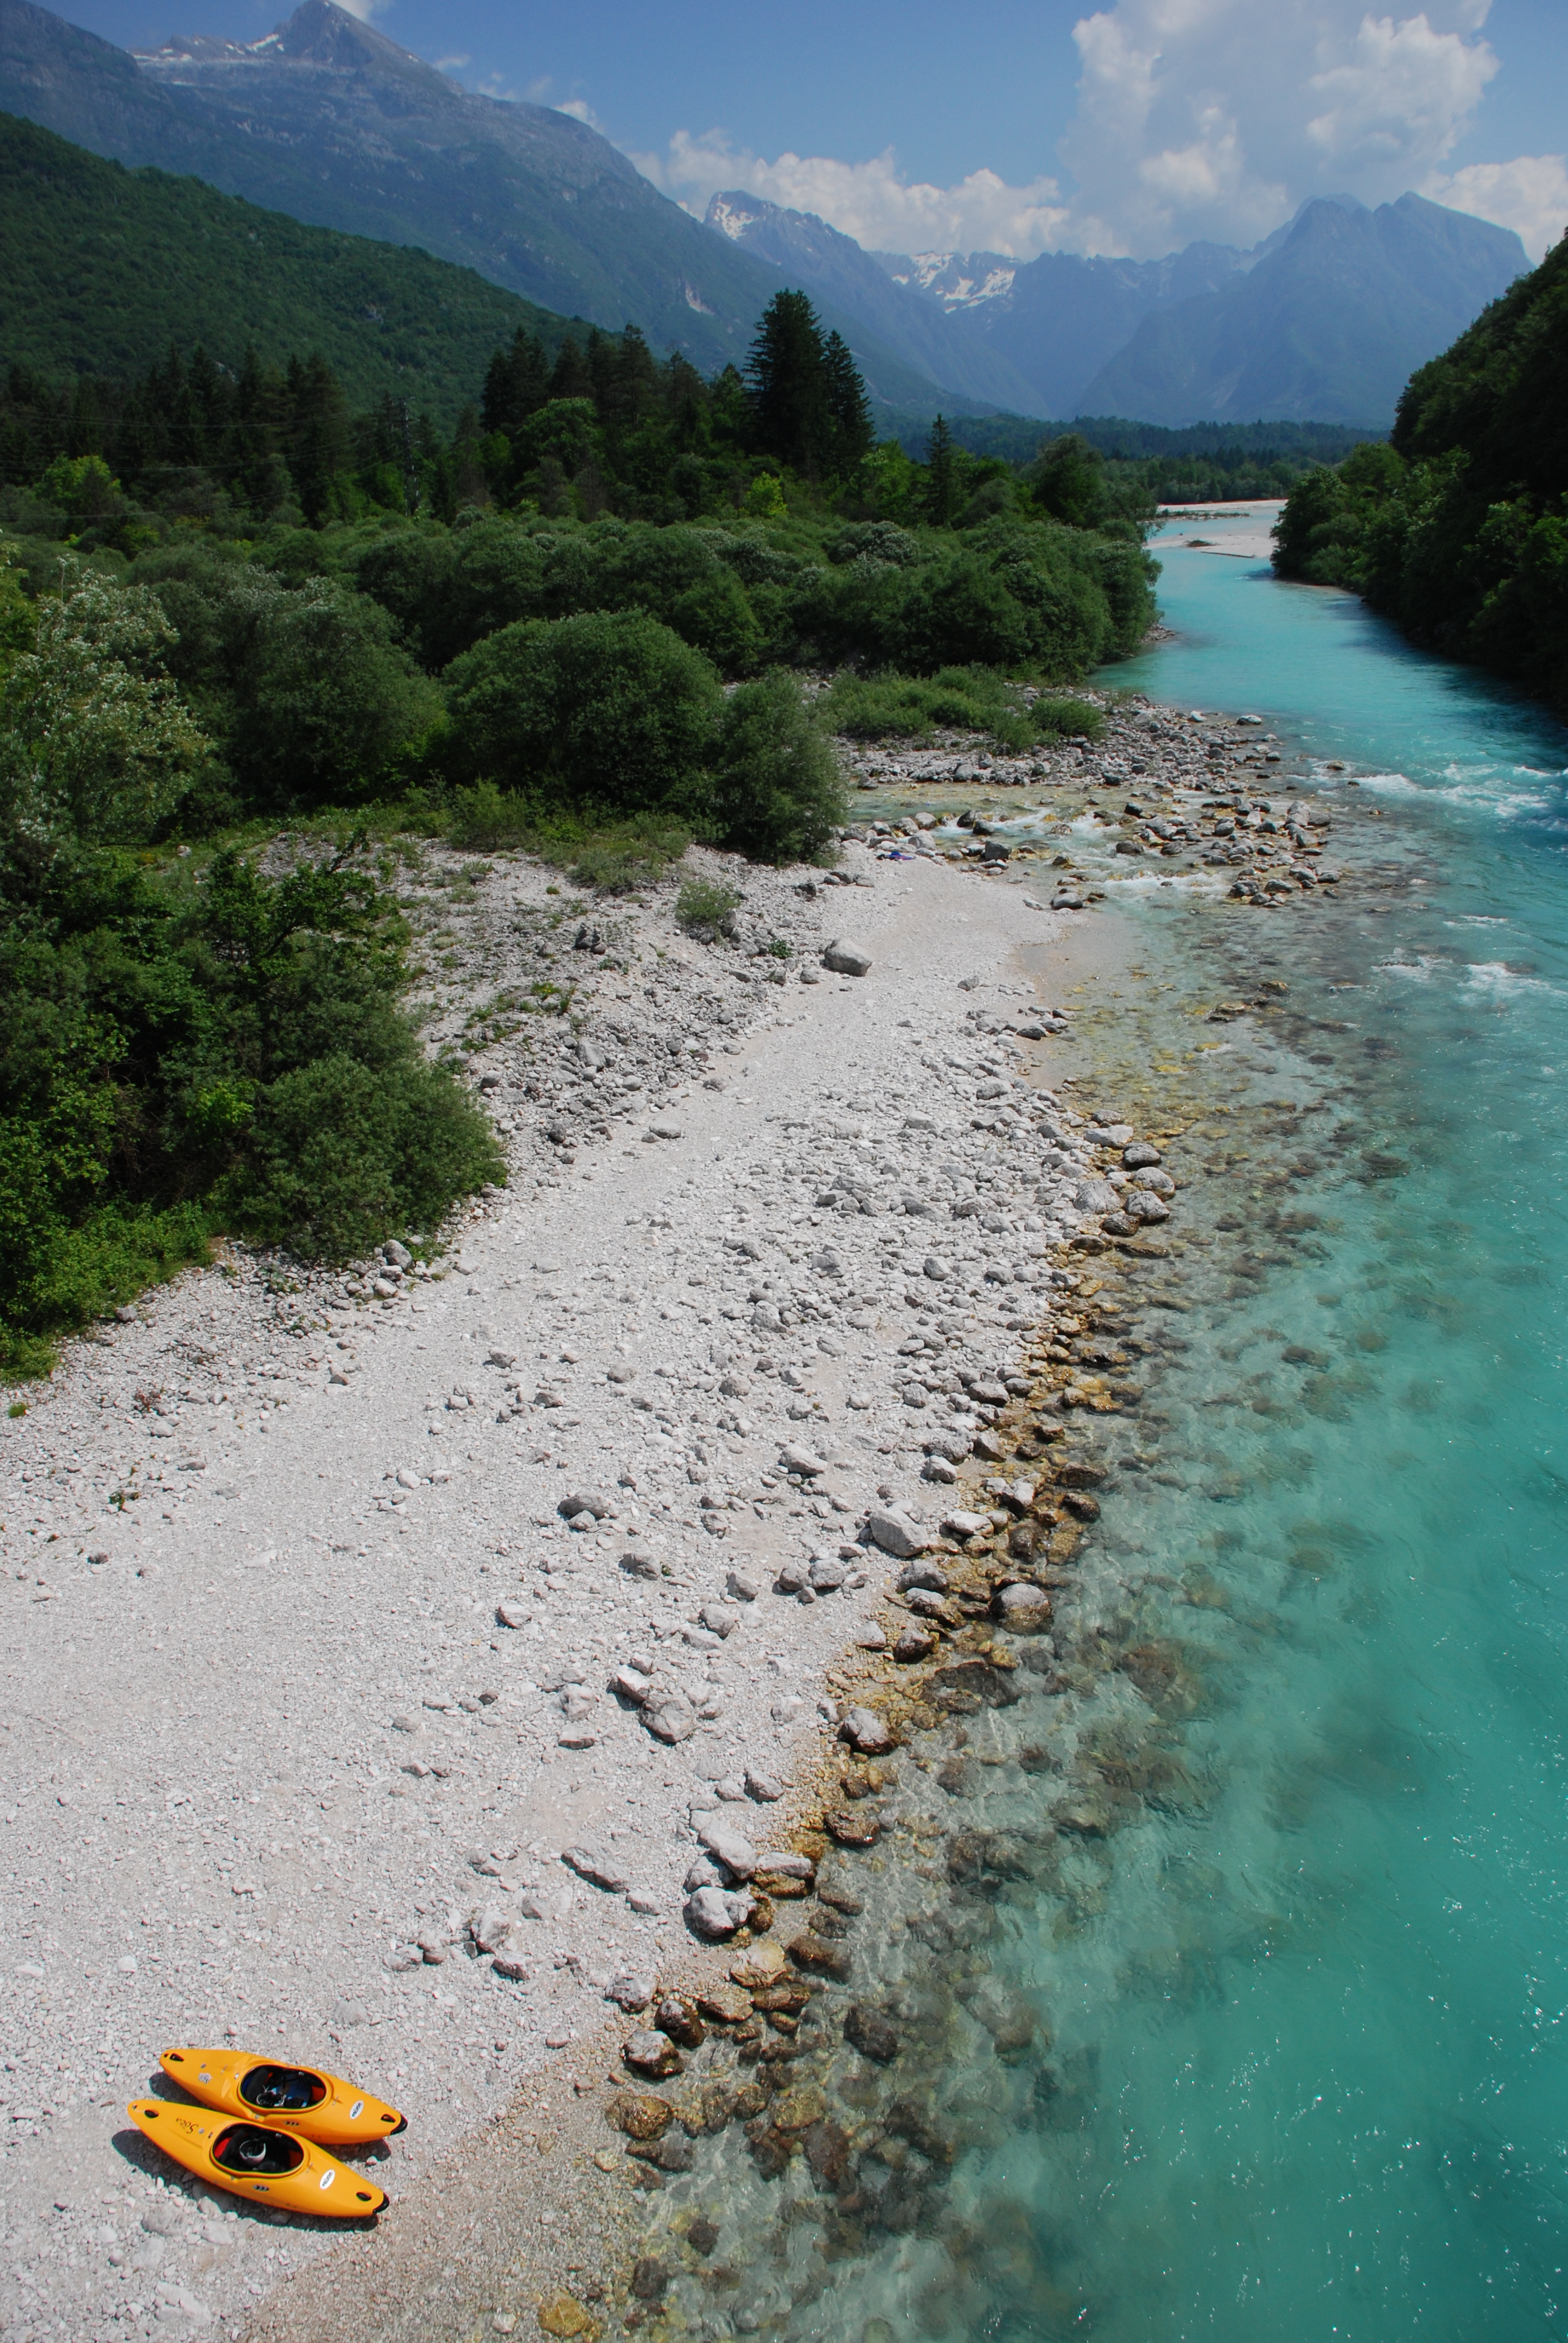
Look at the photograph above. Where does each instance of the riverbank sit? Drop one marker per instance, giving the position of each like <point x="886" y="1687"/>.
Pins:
<point x="1249" y="528"/>
<point x="308" y="1667"/>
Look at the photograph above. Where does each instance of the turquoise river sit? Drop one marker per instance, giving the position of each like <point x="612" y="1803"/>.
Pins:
<point x="1299" y="2060"/>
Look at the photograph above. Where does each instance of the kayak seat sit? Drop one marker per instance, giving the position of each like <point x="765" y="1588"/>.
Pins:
<point x="245" y="2147"/>
<point x="282" y="2088"/>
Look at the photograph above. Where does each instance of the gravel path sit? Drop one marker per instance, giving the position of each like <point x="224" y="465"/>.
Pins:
<point x="310" y="1651"/>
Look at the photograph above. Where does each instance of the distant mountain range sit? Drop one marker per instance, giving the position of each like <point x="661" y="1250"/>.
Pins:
<point x="328" y="120"/>
<point x="1324" y="321"/>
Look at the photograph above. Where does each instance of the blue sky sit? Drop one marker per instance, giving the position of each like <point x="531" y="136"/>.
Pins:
<point x="1161" y="120"/>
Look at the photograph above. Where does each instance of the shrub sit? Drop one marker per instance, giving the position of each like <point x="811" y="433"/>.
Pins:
<point x="777" y="794"/>
<point x="487" y="818"/>
<point x="891" y="707"/>
<point x="303" y="688"/>
<point x="610" y="707"/>
<point x="185" y="1052"/>
<point x="340" y="1152"/>
<point x="631" y="855"/>
<point x="703" y="906"/>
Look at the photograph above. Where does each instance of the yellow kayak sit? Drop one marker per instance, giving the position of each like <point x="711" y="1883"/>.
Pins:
<point x="254" y="2160"/>
<point x="303" y="2099"/>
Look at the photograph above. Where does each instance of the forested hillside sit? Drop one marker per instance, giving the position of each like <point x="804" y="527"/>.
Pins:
<point x="1459" y="527"/>
<point x="101" y="268"/>
<point x="229" y="601"/>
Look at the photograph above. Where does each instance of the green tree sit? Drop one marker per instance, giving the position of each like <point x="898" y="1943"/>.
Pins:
<point x="610" y="708"/>
<point x="778" y="793"/>
<point x="942" y="496"/>
<point x="787" y="404"/>
<point x="95" y="740"/>
<point x="848" y="408"/>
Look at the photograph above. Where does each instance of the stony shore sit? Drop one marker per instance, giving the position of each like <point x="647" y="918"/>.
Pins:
<point x="410" y="1671"/>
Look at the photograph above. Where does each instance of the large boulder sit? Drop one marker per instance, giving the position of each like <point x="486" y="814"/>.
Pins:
<point x="897" y="1534"/>
<point x="847" y="958"/>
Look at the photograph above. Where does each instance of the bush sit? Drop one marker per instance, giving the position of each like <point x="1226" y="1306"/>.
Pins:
<point x="487" y="818"/>
<point x="890" y="707"/>
<point x="777" y="794"/>
<point x="306" y="694"/>
<point x="611" y="709"/>
<point x="340" y="1152"/>
<point x="633" y="854"/>
<point x="703" y="906"/>
<point x="183" y="1051"/>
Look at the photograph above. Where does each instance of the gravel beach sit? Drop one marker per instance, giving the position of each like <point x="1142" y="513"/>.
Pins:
<point x="408" y="1670"/>
<point x="307" y="1662"/>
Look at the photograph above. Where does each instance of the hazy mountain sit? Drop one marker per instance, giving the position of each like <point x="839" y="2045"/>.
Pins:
<point x="1328" y="325"/>
<point x="832" y="267"/>
<point x="101" y="268"/>
<point x="329" y="120"/>
<point x="1059" y="318"/>
<point x="1322" y="322"/>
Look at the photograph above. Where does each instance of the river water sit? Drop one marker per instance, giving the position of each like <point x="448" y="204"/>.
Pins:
<point x="1264" y="2036"/>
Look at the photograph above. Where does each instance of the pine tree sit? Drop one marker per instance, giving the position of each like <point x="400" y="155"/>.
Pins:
<point x="848" y="407"/>
<point x="569" y="377"/>
<point x="787" y="387"/>
<point x="516" y="384"/>
<point x="941" y="476"/>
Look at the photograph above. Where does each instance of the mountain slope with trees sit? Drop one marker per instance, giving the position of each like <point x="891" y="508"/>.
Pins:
<point x="329" y="121"/>
<point x="102" y="270"/>
<point x="1458" y="529"/>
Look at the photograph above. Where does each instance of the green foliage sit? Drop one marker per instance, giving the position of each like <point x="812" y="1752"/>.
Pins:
<point x="892" y="707"/>
<point x="777" y="795"/>
<point x="703" y="906"/>
<point x="489" y="819"/>
<point x="95" y="741"/>
<point x="941" y="488"/>
<point x="101" y="268"/>
<point x="1459" y="529"/>
<point x="627" y="855"/>
<point x="182" y="1050"/>
<point x="306" y="694"/>
<point x="610" y="707"/>
<point x="805" y="403"/>
<point x="1070" y="480"/>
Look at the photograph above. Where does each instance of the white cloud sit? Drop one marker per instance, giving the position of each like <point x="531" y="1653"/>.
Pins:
<point x="1529" y="194"/>
<point x="365" y="9"/>
<point x="1195" y="119"/>
<point x="1217" y="117"/>
<point x="871" y="201"/>
<point x="580" y="111"/>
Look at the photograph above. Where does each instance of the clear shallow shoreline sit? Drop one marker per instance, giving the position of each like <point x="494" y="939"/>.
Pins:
<point x="1303" y="2005"/>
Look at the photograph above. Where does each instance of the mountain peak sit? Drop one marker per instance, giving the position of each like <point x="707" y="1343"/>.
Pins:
<point x="317" y="33"/>
<point x="320" y="33"/>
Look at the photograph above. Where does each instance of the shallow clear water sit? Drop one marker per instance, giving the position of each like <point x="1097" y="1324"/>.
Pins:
<point x="1298" y="2064"/>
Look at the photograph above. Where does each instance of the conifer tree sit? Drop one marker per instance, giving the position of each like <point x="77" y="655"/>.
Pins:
<point x="516" y="384"/>
<point x="569" y="376"/>
<point x="787" y="386"/>
<point x="942" y="475"/>
<point x="848" y="407"/>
